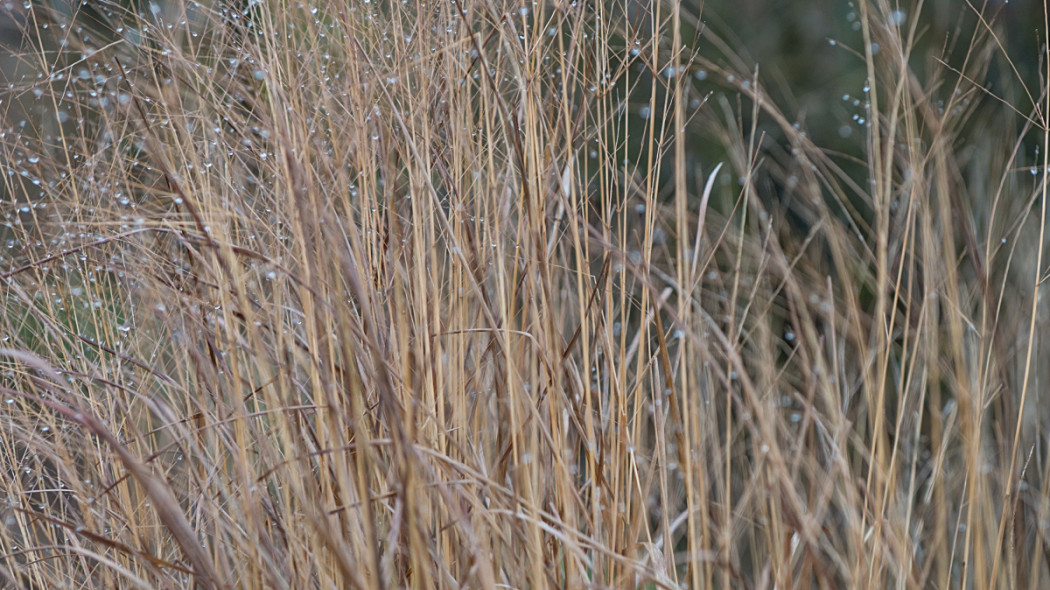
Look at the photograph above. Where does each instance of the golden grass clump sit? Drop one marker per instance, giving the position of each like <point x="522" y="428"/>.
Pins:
<point x="509" y="294"/>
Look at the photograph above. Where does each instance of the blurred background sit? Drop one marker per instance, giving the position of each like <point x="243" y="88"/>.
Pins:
<point x="805" y="51"/>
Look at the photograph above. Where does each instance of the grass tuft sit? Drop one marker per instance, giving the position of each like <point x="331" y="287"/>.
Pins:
<point x="501" y="294"/>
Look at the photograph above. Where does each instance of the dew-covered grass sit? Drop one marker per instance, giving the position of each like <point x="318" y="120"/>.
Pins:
<point x="507" y="294"/>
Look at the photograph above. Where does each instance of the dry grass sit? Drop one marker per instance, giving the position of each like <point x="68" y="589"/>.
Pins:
<point x="438" y="295"/>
